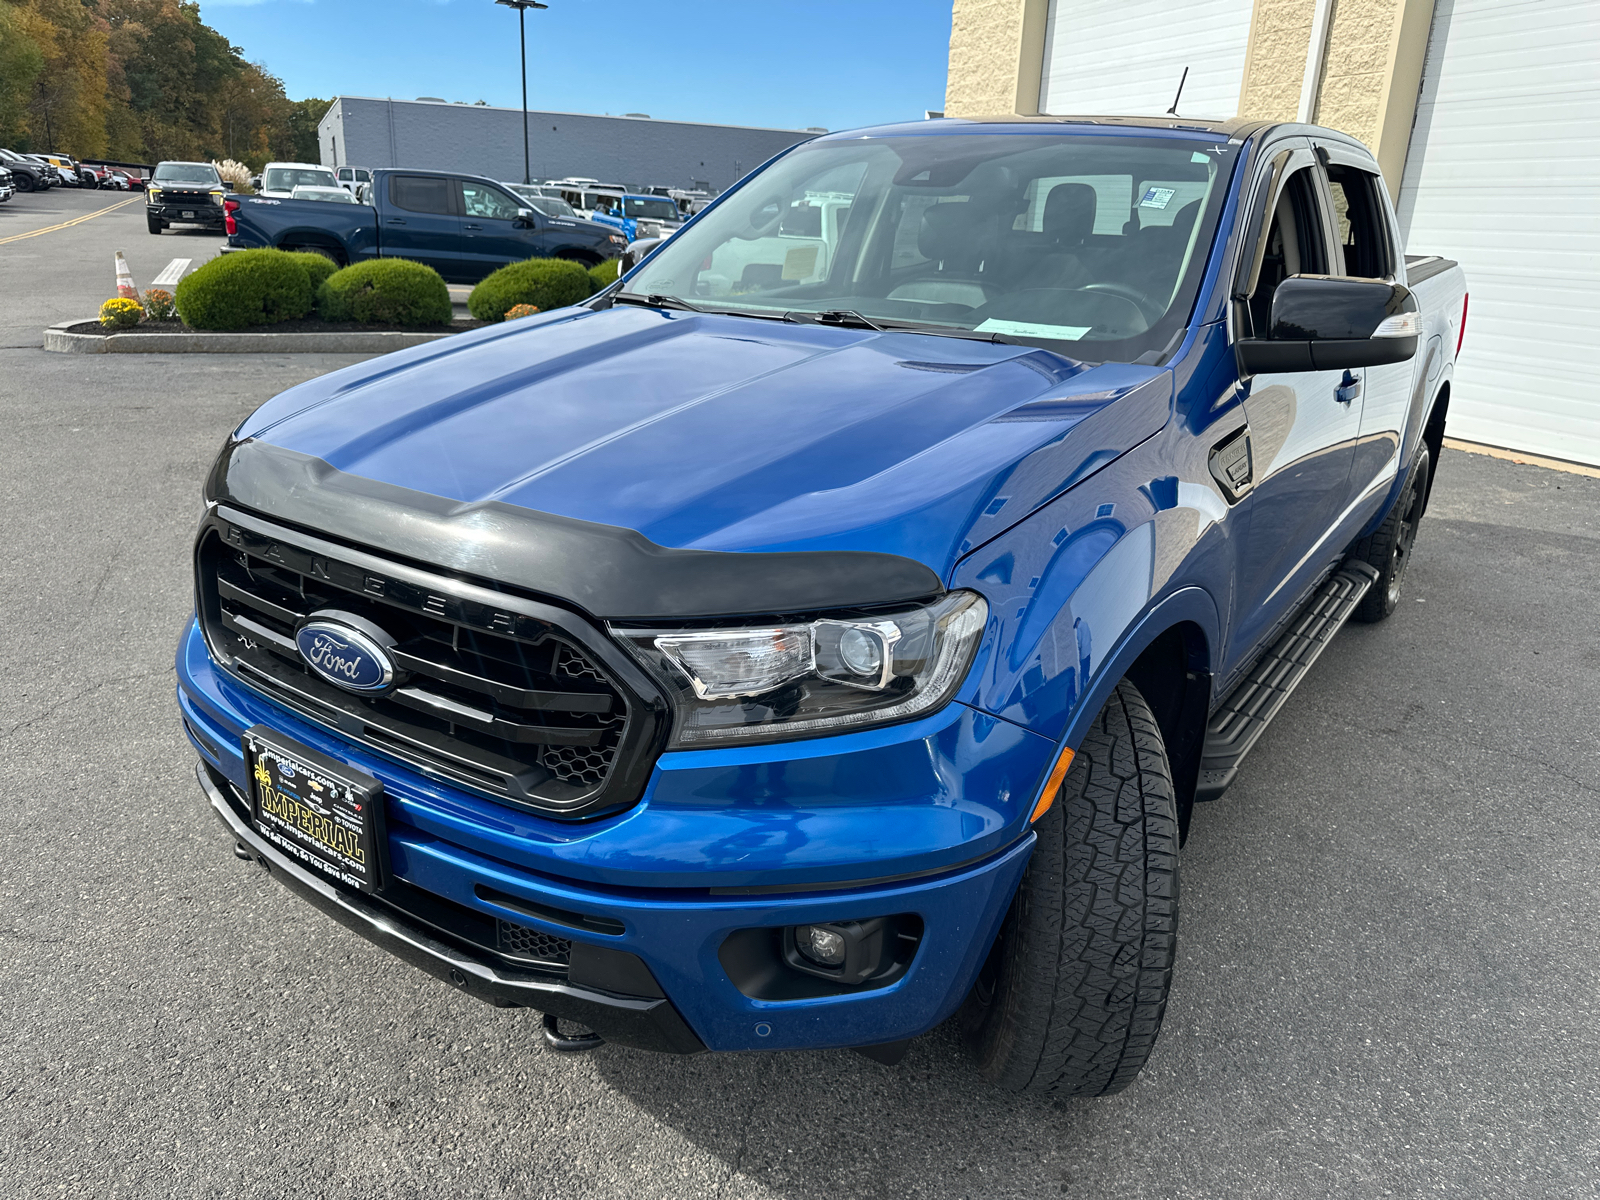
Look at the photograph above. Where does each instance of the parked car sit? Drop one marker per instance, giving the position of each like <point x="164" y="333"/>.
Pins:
<point x="280" y="179"/>
<point x="26" y="175"/>
<point x="464" y="226"/>
<point x="8" y="187"/>
<point x="351" y="178"/>
<point x="536" y="197"/>
<point x="819" y="637"/>
<point x="640" y="215"/>
<point x="185" y="193"/>
<point x="333" y="195"/>
<point x="66" y="170"/>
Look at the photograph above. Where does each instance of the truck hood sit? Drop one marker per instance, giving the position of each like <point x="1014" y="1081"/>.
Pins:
<point x="721" y="433"/>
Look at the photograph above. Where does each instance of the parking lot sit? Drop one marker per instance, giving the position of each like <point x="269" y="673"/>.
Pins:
<point x="1389" y="957"/>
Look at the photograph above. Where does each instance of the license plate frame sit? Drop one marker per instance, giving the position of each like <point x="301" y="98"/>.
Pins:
<point x="320" y="811"/>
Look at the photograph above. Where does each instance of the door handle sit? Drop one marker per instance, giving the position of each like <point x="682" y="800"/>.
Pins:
<point x="396" y="221"/>
<point x="472" y="227"/>
<point x="1349" y="389"/>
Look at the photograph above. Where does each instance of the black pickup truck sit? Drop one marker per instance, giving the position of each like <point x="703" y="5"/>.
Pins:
<point x="464" y="226"/>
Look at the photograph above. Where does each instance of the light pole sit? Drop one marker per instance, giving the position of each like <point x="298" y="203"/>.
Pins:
<point x="522" y="36"/>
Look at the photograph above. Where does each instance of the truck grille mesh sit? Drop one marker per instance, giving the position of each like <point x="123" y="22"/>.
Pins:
<point x="523" y="942"/>
<point x="499" y="701"/>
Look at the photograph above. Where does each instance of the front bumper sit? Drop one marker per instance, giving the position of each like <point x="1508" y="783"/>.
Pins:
<point x="725" y="841"/>
<point x="204" y="214"/>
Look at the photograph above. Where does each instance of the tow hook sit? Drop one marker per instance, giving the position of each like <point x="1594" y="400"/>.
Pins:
<point x="556" y="1040"/>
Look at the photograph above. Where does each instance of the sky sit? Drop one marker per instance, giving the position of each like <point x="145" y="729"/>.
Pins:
<point x="788" y="64"/>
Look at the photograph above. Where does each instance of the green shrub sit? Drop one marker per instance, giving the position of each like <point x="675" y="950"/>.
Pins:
<point x="318" y="266"/>
<point x="605" y="274"/>
<point x="545" y="283"/>
<point x="248" y="287"/>
<point x="385" y="291"/>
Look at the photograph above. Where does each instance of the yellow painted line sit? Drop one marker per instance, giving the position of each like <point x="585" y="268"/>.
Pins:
<point x="1527" y="460"/>
<point x="17" y="237"/>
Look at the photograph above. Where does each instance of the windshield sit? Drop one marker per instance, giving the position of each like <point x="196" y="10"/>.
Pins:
<point x="1090" y="245"/>
<point x="286" y="179"/>
<point x="187" y="173"/>
<point x="652" y="209"/>
<point x="550" y="206"/>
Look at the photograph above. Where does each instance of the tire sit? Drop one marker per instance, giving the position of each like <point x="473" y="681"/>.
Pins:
<point x="155" y="226"/>
<point x="1389" y="548"/>
<point x="24" y="183"/>
<point x="1071" y="999"/>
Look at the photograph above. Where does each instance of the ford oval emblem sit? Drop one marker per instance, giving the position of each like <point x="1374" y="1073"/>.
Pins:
<point x="341" y="654"/>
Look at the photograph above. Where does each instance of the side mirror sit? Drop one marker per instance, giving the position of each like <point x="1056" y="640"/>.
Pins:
<point x="524" y="219"/>
<point x="1324" y="323"/>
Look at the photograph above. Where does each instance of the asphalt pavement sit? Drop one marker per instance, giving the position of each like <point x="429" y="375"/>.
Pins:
<point x="1387" y="972"/>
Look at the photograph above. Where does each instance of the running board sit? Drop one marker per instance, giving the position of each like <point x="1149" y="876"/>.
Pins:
<point x="1244" y="715"/>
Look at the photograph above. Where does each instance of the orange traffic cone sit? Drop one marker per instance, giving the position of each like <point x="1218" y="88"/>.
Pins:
<point x="125" y="287"/>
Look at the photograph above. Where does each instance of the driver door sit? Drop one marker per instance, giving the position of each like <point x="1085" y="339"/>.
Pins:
<point x="490" y="234"/>
<point x="1303" y="424"/>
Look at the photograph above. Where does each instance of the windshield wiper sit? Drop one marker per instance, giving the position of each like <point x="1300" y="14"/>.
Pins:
<point x="657" y="300"/>
<point x="844" y="318"/>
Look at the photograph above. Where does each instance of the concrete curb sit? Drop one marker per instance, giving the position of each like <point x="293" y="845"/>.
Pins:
<point x="59" y="339"/>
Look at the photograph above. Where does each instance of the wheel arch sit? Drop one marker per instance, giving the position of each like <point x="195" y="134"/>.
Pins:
<point x="1433" y="435"/>
<point x="1170" y="655"/>
<point x="303" y="239"/>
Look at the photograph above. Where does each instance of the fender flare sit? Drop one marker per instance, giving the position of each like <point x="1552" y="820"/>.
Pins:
<point x="1190" y="604"/>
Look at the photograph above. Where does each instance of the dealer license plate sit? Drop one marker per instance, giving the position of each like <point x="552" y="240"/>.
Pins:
<point x="188" y="216"/>
<point x="315" y="808"/>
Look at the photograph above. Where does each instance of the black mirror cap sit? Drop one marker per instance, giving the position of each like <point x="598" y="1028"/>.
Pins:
<point x="1329" y="308"/>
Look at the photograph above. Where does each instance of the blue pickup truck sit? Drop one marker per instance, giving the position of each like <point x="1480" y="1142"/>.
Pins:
<point x="830" y="629"/>
<point x="463" y="226"/>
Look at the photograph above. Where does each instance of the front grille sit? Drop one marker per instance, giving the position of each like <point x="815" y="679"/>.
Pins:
<point x="519" y="941"/>
<point x="494" y="692"/>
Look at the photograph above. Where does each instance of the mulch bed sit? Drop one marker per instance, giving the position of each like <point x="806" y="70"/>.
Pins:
<point x="301" y="326"/>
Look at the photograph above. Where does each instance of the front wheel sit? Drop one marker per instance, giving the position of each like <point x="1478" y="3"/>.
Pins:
<point x="154" y="225"/>
<point x="1072" y="996"/>
<point x="1389" y="548"/>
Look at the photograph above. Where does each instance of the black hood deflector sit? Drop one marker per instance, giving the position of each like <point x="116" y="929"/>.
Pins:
<point x="610" y="572"/>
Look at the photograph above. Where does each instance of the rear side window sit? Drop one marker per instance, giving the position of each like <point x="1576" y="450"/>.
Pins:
<point x="1362" y="228"/>
<point x="421" y="194"/>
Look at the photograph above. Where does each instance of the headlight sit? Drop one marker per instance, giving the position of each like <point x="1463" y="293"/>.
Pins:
<point x="776" y="682"/>
<point x="216" y="197"/>
<point x="618" y="239"/>
<point x="152" y="192"/>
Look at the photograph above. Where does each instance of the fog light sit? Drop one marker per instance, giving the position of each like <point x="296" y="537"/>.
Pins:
<point x="820" y="945"/>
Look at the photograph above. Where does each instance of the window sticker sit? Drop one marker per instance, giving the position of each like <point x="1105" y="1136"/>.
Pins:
<point x="1068" y="333"/>
<point x="800" y="263"/>
<point x="1157" y="197"/>
<point x="1197" y="157"/>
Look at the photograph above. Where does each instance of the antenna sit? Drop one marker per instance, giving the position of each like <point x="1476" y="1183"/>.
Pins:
<point x="1173" y="111"/>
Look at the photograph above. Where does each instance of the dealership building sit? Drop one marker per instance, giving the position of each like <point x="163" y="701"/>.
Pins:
<point x="362" y="131"/>
<point x="1484" y="115"/>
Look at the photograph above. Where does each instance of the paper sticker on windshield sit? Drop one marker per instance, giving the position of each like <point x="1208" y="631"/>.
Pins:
<point x="800" y="263"/>
<point x="1157" y="197"/>
<point x="1067" y="333"/>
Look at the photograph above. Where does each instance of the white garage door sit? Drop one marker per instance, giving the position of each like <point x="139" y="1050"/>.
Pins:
<point x="1503" y="173"/>
<point x="1125" y="57"/>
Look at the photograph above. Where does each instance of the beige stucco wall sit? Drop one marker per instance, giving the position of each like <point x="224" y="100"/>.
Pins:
<point x="1275" y="60"/>
<point x="996" y="52"/>
<point x="1371" y="74"/>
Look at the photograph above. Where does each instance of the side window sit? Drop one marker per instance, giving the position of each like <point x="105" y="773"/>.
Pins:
<point x="1295" y="244"/>
<point x="420" y="194"/>
<point x="481" y="200"/>
<point x="1360" y="222"/>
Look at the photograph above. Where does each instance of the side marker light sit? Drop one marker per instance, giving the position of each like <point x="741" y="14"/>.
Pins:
<point x="1052" y="785"/>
